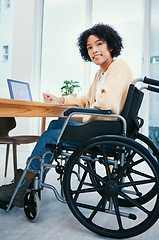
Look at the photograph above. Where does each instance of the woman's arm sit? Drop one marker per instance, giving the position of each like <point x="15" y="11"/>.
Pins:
<point x="50" y="98"/>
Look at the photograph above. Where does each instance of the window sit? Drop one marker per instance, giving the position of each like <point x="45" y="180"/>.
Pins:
<point x="62" y="23"/>
<point x="5" y="53"/>
<point x="7" y="3"/>
<point x="154" y="64"/>
<point x="6" y="45"/>
<point x="124" y="15"/>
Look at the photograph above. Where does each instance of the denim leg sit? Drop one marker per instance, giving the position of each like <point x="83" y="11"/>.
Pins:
<point x="49" y="136"/>
<point x="56" y="124"/>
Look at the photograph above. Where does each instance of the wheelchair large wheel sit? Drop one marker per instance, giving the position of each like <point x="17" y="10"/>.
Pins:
<point x="143" y="198"/>
<point x="149" y="144"/>
<point x="32" y="206"/>
<point x="95" y="199"/>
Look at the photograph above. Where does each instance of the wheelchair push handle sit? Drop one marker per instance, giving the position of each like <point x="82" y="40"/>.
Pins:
<point x="151" y="81"/>
<point x="153" y="89"/>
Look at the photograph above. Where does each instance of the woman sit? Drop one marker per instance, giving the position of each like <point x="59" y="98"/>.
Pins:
<point x="100" y="45"/>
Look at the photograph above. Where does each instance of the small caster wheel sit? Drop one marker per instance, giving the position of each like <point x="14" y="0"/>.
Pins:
<point x="32" y="206"/>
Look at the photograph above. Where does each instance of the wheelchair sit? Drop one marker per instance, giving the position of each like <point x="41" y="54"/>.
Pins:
<point x="110" y="179"/>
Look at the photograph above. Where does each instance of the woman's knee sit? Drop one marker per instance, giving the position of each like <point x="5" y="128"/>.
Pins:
<point x="55" y="124"/>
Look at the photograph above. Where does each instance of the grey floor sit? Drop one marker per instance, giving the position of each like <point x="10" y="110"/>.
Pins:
<point x="55" y="222"/>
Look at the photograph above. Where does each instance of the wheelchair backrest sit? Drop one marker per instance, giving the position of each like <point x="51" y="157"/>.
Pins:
<point x="98" y="128"/>
<point x="131" y="109"/>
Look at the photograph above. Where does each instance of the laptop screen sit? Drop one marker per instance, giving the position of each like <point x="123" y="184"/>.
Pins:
<point x="19" y="90"/>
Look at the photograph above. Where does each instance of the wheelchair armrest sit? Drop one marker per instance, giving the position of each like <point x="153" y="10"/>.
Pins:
<point x="89" y="111"/>
<point x="86" y="110"/>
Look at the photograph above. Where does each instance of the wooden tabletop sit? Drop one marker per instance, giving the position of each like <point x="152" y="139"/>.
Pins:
<point x="18" y="108"/>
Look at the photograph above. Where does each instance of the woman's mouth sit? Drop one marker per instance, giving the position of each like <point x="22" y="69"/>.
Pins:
<point x="97" y="56"/>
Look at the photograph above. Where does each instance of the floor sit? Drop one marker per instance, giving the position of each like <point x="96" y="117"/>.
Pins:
<point x="55" y="222"/>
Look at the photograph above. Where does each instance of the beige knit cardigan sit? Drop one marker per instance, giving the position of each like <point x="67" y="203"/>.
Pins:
<point x="113" y="92"/>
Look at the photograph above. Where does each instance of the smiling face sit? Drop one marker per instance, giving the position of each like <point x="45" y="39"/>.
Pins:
<point x="98" y="52"/>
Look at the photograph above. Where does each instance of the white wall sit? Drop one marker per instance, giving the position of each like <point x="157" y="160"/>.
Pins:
<point x="26" y="54"/>
<point x="6" y="39"/>
<point x="24" y="65"/>
<point x="26" y="43"/>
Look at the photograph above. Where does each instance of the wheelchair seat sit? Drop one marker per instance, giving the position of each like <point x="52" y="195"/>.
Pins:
<point x="98" y="128"/>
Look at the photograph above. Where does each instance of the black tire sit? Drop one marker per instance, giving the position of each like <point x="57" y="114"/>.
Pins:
<point x="154" y="150"/>
<point x="32" y="206"/>
<point x="152" y="192"/>
<point x="91" y="204"/>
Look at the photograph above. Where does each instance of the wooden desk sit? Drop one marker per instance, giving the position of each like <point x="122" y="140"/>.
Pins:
<point x="17" y="108"/>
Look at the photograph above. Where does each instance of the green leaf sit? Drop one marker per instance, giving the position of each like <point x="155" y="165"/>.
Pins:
<point x="69" y="86"/>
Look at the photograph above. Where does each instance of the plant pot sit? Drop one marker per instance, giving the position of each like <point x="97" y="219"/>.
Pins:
<point x="72" y="94"/>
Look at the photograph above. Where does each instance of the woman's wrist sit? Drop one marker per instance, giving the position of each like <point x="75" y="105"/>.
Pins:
<point x="61" y="100"/>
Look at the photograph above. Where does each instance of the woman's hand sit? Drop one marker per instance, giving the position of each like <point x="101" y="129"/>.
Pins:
<point x="50" y="98"/>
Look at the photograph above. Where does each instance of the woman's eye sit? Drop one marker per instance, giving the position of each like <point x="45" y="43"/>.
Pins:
<point x="100" y="43"/>
<point x="89" y="48"/>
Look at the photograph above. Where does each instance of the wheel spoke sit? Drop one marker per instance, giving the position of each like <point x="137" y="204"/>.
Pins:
<point x="87" y="206"/>
<point x="80" y="185"/>
<point x="106" y="163"/>
<point x="132" y="180"/>
<point x="123" y="169"/>
<point x="134" y="183"/>
<point x="98" y="207"/>
<point x="134" y="202"/>
<point x="141" y="160"/>
<point x="142" y="174"/>
<point x="115" y="201"/>
<point x="86" y="190"/>
<point x="90" y="171"/>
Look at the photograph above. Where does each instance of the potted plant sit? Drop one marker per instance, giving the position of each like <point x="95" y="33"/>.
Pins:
<point x="69" y="87"/>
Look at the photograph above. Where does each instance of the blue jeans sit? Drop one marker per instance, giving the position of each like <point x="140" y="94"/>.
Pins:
<point x="49" y="136"/>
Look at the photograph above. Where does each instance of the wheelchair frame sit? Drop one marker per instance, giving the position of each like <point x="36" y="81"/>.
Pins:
<point x="118" y="165"/>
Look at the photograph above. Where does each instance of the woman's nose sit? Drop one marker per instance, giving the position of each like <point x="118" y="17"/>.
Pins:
<point x="95" y="49"/>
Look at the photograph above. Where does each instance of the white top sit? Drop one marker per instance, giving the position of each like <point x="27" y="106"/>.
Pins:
<point x="99" y="85"/>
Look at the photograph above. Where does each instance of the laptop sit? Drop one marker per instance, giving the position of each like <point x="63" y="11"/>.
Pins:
<point x="19" y="90"/>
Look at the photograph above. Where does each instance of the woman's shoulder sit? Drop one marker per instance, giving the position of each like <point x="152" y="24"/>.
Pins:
<point x="119" y="63"/>
<point x="121" y="68"/>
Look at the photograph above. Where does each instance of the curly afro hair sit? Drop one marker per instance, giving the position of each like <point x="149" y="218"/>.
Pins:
<point x="105" y="33"/>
